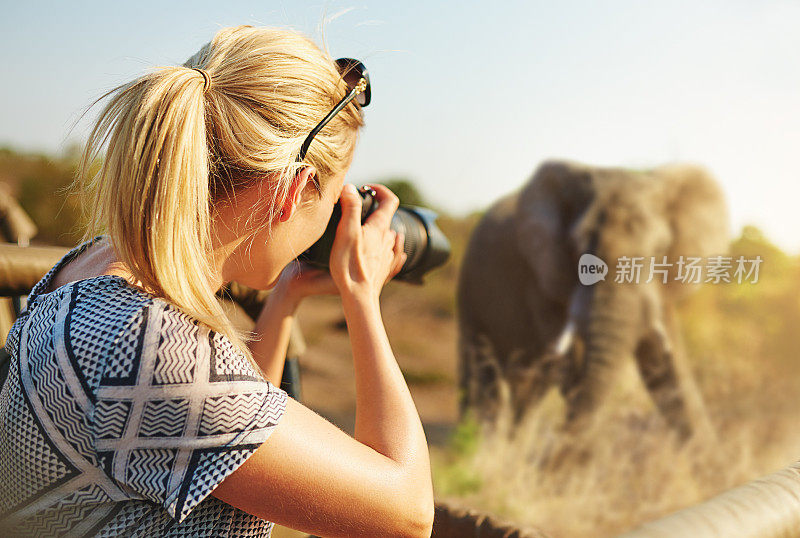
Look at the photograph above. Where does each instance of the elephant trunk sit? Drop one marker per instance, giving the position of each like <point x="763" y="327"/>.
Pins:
<point x="608" y="326"/>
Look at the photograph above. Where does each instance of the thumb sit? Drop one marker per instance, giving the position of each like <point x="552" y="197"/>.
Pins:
<point x="350" y="202"/>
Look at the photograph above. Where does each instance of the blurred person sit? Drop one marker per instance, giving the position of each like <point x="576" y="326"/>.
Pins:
<point x="132" y="405"/>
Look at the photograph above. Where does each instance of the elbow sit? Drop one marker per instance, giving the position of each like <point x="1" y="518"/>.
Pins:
<point x="414" y="505"/>
<point x="418" y="521"/>
<point x="424" y="523"/>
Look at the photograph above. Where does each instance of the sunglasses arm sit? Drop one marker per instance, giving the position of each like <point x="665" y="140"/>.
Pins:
<point x="339" y="106"/>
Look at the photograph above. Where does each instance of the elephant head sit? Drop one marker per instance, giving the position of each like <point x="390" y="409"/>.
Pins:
<point x="616" y="214"/>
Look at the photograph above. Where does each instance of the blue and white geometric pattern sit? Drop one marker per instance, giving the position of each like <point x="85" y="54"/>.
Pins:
<point x="177" y="349"/>
<point x="120" y="414"/>
<point x="110" y="419"/>
<point x="226" y="364"/>
<point x="164" y="418"/>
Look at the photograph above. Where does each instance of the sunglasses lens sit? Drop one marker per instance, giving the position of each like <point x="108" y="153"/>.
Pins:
<point x="361" y="98"/>
<point x="352" y="73"/>
<point x="351" y="77"/>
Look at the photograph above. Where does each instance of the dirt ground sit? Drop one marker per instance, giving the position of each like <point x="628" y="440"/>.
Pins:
<point x="427" y="359"/>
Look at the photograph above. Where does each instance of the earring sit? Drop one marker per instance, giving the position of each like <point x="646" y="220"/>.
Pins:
<point x="281" y="212"/>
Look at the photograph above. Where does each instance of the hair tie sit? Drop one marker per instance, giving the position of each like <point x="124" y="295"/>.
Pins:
<point x="206" y="79"/>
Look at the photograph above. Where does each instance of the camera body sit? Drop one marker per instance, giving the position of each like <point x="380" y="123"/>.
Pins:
<point x="425" y="245"/>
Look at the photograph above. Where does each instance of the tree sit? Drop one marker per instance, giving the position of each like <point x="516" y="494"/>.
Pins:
<point x="405" y="190"/>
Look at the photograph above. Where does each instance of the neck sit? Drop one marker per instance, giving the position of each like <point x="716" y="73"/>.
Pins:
<point x="223" y="267"/>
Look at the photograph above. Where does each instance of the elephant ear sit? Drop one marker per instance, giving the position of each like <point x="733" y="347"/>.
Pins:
<point x="697" y="213"/>
<point x="547" y="208"/>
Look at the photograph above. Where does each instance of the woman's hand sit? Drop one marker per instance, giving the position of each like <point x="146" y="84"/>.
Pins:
<point x="364" y="258"/>
<point x="299" y="280"/>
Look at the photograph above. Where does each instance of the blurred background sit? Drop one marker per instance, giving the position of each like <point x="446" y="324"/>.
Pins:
<point x="468" y="99"/>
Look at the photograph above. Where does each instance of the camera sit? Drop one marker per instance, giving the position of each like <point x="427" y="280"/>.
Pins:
<point x="425" y="244"/>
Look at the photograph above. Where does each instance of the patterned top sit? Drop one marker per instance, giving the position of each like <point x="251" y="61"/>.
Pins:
<point x="121" y="414"/>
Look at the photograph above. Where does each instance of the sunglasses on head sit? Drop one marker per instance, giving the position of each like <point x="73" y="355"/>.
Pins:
<point x="356" y="77"/>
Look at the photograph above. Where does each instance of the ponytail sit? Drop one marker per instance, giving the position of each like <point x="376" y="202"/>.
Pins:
<point x="152" y="193"/>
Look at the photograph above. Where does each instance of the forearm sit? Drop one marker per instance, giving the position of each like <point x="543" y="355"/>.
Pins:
<point x="386" y="417"/>
<point x="273" y="329"/>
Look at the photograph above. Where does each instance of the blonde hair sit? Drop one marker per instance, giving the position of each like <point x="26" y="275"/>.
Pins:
<point x="176" y="144"/>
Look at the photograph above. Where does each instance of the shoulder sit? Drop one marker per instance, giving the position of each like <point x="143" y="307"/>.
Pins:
<point x="136" y="336"/>
<point x="128" y="344"/>
<point x="103" y="322"/>
<point x="187" y="350"/>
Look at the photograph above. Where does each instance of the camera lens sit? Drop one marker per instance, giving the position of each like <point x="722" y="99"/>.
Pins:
<point x="425" y="244"/>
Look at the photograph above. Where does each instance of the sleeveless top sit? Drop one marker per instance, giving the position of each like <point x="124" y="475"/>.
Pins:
<point x="120" y="414"/>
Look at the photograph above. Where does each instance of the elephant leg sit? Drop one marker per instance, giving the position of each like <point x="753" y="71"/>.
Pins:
<point x="492" y="385"/>
<point x="656" y="366"/>
<point x="466" y="372"/>
<point x="672" y="386"/>
<point x="529" y="376"/>
<point x="482" y="385"/>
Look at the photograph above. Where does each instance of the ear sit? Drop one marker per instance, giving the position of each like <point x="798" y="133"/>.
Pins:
<point x="301" y="181"/>
<point x="547" y="209"/>
<point x="696" y="212"/>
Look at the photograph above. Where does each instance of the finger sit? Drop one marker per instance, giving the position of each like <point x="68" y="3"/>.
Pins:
<point x="389" y="239"/>
<point x="400" y="242"/>
<point x="394" y="261"/>
<point x="400" y="261"/>
<point x="400" y="255"/>
<point x="388" y="202"/>
<point x="350" y="201"/>
<point x="397" y="266"/>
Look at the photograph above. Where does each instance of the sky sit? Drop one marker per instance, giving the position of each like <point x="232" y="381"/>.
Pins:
<point x="469" y="97"/>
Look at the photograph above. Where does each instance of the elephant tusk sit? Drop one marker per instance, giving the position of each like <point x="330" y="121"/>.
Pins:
<point x="565" y="339"/>
<point x="661" y="331"/>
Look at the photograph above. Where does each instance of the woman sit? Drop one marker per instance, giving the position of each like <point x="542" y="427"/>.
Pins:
<point x="132" y="405"/>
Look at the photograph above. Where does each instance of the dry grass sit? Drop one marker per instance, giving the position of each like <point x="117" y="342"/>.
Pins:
<point x="629" y="468"/>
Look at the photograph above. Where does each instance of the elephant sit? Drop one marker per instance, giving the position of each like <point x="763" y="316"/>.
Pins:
<point x="527" y="323"/>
